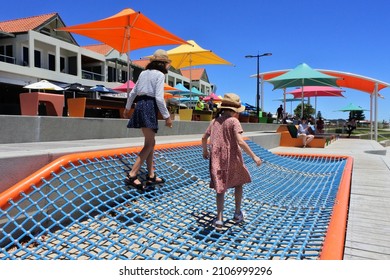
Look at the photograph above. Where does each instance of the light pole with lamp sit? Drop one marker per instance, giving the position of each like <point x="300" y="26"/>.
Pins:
<point x="258" y="79"/>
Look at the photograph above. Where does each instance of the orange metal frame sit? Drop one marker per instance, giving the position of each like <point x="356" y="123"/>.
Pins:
<point x="333" y="247"/>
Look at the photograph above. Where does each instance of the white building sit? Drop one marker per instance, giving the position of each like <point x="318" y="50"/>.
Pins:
<point x="32" y="50"/>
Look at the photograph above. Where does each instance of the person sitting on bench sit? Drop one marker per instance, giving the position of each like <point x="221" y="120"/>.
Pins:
<point x="304" y="133"/>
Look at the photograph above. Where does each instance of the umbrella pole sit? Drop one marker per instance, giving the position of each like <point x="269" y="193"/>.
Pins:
<point x="302" y="100"/>
<point x="190" y="78"/>
<point x="129" y="74"/>
<point x="284" y="99"/>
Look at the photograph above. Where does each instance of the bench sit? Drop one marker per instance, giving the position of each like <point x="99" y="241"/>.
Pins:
<point x="77" y="106"/>
<point x="29" y="102"/>
<point x="288" y="137"/>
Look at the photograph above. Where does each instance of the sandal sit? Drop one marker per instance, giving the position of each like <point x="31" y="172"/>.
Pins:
<point x="130" y="181"/>
<point x="153" y="180"/>
<point x="238" y="217"/>
<point x="217" y="224"/>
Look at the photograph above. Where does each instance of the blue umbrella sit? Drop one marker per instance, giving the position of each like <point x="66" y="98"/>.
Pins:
<point x="101" y="89"/>
<point x="181" y="90"/>
<point x="197" y="92"/>
<point x="249" y="107"/>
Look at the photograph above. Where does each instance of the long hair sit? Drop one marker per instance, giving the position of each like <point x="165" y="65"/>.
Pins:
<point x="220" y="112"/>
<point x="157" y="65"/>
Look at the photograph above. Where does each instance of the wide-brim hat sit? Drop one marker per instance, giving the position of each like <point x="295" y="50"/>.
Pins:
<point x="160" y="55"/>
<point x="232" y="101"/>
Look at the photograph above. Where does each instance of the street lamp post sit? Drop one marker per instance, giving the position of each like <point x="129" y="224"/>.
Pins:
<point x="258" y="79"/>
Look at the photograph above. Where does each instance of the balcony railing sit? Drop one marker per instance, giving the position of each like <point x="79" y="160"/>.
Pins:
<point x="8" y="59"/>
<point x="92" y="76"/>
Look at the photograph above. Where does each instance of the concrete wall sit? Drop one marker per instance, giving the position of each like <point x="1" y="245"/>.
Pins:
<point x="30" y="143"/>
<point x="22" y="129"/>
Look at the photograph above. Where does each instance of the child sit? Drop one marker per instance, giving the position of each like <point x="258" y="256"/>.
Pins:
<point x="227" y="169"/>
<point x="149" y="90"/>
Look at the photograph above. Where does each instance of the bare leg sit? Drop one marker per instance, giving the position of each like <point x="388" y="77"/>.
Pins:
<point x="220" y="205"/>
<point x="238" y="198"/>
<point x="145" y="154"/>
<point x="150" y="142"/>
<point x="309" y="139"/>
<point x="303" y="137"/>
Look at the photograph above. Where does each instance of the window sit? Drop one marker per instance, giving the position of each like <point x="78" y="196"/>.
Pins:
<point x="37" y="56"/>
<point x="62" y="64"/>
<point x="25" y="58"/>
<point x="6" y="54"/>
<point x="52" y="62"/>
<point x="111" y="74"/>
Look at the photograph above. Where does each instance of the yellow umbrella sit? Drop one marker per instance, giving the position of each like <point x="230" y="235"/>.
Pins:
<point x="191" y="54"/>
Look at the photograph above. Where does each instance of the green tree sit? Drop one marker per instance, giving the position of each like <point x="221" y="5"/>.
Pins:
<point x="308" y="110"/>
<point x="357" y="115"/>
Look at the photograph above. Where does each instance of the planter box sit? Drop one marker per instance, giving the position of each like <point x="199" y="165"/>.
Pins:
<point x="185" y="114"/>
<point x="243" y="118"/>
<point x="263" y="120"/>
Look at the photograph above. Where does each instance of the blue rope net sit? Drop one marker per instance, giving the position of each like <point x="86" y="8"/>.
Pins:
<point x="84" y="211"/>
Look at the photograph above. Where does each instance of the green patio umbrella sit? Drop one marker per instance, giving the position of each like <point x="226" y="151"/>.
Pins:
<point x="351" y="107"/>
<point x="300" y="76"/>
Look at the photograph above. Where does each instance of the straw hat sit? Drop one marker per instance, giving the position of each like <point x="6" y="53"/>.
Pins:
<point x="232" y="101"/>
<point x="160" y="55"/>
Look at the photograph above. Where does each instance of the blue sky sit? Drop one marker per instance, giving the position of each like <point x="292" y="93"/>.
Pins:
<point x="341" y="35"/>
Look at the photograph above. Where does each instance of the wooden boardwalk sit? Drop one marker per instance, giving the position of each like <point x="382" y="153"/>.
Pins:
<point x="368" y="228"/>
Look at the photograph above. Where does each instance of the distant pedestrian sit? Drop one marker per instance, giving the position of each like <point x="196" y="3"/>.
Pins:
<point x="200" y="104"/>
<point x="351" y="126"/>
<point x="279" y="113"/>
<point x="320" y="125"/>
<point x="212" y="105"/>
<point x="227" y="168"/>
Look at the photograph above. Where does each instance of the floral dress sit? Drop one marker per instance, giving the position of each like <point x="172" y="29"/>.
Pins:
<point x="227" y="167"/>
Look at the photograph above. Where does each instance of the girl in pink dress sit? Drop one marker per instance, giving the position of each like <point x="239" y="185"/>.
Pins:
<point x="227" y="168"/>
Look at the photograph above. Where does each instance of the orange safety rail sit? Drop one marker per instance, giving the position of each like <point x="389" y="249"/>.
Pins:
<point x="295" y="208"/>
<point x="34" y="179"/>
<point x="333" y="248"/>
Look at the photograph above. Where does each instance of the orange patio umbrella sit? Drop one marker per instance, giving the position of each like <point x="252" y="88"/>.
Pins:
<point x="168" y="88"/>
<point x="126" y="31"/>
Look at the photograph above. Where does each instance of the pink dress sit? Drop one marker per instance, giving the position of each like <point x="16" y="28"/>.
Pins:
<point x="227" y="167"/>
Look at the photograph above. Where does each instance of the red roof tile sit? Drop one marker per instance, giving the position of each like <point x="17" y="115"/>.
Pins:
<point x="24" y="24"/>
<point x="196" y="73"/>
<point x="141" y="62"/>
<point x="99" y="48"/>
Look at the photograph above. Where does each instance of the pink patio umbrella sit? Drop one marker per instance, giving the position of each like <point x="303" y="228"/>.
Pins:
<point x="125" y="86"/>
<point x="314" y="91"/>
<point x="213" y="96"/>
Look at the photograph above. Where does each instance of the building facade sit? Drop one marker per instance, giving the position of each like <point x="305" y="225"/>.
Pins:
<point x="32" y="50"/>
